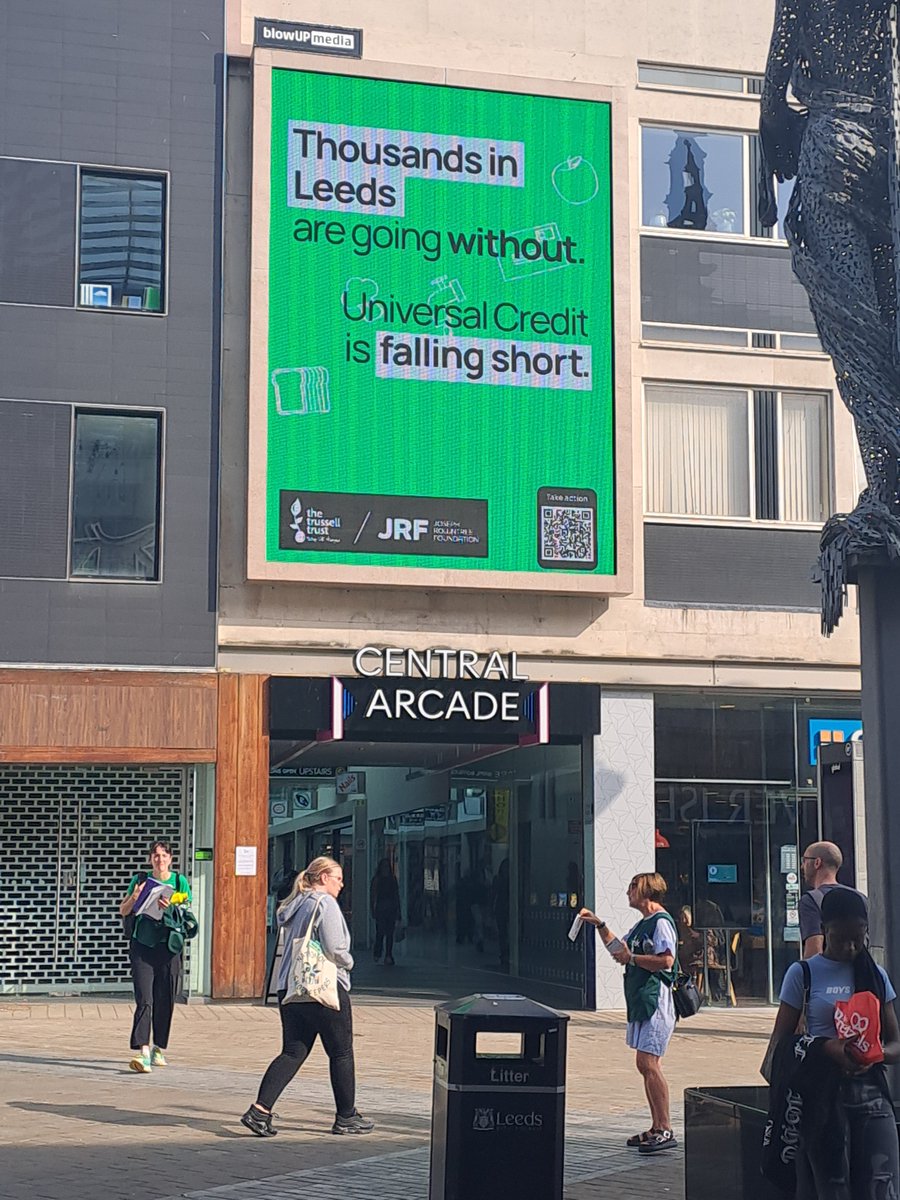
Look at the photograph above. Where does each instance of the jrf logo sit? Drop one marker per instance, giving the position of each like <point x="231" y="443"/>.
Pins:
<point x="404" y="529"/>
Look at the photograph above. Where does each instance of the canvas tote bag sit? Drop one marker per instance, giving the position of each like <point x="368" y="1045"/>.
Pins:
<point x="312" y="976"/>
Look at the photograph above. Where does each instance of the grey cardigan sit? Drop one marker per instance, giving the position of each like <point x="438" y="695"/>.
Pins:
<point x="330" y="932"/>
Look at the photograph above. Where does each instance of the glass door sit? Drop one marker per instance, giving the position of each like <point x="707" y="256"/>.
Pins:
<point x="792" y="823"/>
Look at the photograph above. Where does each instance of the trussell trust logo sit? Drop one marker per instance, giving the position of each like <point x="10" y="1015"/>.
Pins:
<point x="489" y="1120"/>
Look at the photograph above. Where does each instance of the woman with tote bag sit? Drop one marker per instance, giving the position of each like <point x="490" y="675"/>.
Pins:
<point x="316" y="949"/>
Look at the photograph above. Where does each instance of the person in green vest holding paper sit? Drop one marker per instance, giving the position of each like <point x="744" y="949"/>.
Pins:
<point x="649" y="954"/>
<point x="155" y="961"/>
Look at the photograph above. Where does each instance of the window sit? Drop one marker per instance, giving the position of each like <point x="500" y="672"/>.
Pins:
<point x="122" y="243"/>
<point x="698" y="460"/>
<point x="742" y="339"/>
<point x="115" y="495"/>
<point x="697" y="79"/>
<point x="693" y="180"/>
<point x="704" y="181"/>
<point x="732" y="454"/>
<point x="805" y="458"/>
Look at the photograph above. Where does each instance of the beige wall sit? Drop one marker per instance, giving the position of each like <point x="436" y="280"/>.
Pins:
<point x="310" y="628"/>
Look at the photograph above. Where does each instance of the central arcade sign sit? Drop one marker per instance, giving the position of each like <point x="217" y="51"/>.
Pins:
<point x="455" y="694"/>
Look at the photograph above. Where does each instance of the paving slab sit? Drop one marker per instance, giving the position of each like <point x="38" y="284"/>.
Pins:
<point x="76" y="1123"/>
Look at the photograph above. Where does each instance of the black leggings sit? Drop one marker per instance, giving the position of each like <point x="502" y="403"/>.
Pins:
<point x="384" y="933"/>
<point x="155" y="973"/>
<point x="301" y="1024"/>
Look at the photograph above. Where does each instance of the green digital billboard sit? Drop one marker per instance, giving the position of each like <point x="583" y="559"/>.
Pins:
<point x="440" y="332"/>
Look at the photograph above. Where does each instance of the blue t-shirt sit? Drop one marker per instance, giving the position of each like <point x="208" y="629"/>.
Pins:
<point x="830" y="981"/>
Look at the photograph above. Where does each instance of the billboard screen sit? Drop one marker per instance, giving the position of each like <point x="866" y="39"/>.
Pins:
<point x="440" y="374"/>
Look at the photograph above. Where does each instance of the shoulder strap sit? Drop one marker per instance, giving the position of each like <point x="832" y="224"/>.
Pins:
<point x="652" y="921"/>
<point x="807" y="983"/>
<point x="307" y="937"/>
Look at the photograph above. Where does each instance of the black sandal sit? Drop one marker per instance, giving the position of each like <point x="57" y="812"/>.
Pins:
<point x="640" y="1139"/>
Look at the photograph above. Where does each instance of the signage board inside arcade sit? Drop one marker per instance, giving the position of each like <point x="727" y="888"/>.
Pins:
<point x="439" y="380"/>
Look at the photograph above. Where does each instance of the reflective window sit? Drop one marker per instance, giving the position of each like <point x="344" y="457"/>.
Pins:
<point x="783" y="193"/>
<point x="697" y="335"/>
<point x="724" y="737"/>
<point x="688" y="77"/>
<point x="693" y="180"/>
<point x="122" y="241"/>
<point x="115" y="496"/>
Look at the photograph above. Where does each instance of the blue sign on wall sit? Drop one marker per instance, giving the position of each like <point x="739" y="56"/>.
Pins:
<point x="832" y="726"/>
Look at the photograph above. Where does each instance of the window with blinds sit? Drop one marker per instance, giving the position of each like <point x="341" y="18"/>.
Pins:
<point x="736" y="454"/>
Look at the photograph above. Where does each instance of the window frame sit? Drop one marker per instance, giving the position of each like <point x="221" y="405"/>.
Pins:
<point x="713" y="347"/>
<point x="120" y="410"/>
<point x="751" y="521"/>
<point x="164" y="178"/>
<point x="750" y="89"/>
<point x="747" y="193"/>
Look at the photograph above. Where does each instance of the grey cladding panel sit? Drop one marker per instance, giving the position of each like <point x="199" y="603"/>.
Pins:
<point x="739" y="568"/>
<point x="111" y="83"/>
<point x="34" y="489"/>
<point x="37" y="232"/>
<point x="692" y="281"/>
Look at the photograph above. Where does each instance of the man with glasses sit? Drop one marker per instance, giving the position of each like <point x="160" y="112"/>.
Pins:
<point x="820" y="864"/>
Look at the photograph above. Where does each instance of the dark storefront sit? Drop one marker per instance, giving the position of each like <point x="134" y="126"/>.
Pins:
<point x="735" y="804"/>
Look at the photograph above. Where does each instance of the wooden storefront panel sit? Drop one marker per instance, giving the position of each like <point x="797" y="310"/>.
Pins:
<point x="242" y="819"/>
<point x="109" y="716"/>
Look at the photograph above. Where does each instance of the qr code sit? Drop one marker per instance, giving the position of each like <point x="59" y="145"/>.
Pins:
<point x="567" y="534"/>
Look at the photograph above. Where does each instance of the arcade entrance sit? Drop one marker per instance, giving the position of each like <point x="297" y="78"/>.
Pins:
<point x="486" y="843"/>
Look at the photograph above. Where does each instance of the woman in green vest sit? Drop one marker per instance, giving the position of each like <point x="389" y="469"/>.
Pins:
<point x="155" y="965"/>
<point x="648" y="953"/>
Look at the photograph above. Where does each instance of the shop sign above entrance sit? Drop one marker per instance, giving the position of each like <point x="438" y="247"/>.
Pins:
<point x="372" y="661"/>
<point x="500" y="707"/>
<point x="485" y="710"/>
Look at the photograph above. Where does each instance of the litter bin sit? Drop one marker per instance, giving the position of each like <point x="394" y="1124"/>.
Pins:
<point x="723" y="1133"/>
<point x="499" y="1100"/>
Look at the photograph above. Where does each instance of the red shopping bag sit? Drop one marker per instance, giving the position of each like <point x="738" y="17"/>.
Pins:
<point x="860" y="1018"/>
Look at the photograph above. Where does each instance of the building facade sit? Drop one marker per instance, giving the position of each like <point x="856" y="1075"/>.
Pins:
<point x="414" y="449"/>
<point x="685" y="613"/>
<point x="110" y="200"/>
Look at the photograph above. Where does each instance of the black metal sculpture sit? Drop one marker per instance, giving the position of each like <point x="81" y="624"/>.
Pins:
<point x="843" y="227"/>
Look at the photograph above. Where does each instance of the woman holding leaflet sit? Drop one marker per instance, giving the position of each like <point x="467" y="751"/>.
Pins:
<point x="648" y="953"/>
<point x="155" y="970"/>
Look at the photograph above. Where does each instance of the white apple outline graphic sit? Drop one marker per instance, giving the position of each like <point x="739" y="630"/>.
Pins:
<point x="568" y="166"/>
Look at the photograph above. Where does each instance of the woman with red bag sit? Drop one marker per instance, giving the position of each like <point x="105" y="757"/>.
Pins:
<point x="848" y="1145"/>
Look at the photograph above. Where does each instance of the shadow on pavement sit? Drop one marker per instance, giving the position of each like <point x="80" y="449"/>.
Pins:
<point x="108" y="1114"/>
<point x="82" y="1063"/>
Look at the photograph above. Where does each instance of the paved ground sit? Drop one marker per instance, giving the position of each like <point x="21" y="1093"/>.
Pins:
<point x="74" y="1123"/>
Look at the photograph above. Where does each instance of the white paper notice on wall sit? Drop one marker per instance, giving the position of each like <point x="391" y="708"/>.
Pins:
<point x="245" y="860"/>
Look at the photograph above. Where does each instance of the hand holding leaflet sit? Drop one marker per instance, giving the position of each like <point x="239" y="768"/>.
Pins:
<point x="613" y="944"/>
<point x="148" y="901"/>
